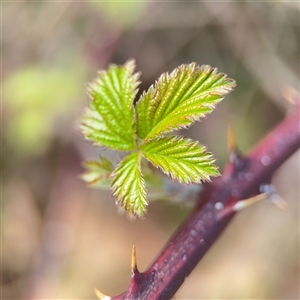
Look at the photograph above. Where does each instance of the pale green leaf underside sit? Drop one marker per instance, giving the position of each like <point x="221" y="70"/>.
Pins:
<point x="98" y="173"/>
<point x="179" y="99"/>
<point x="129" y="186"/>
<point x="109" y="119"/>
<point x="182" y="159"/>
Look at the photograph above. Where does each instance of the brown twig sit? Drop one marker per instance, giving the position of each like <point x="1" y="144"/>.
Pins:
<point x="243" y="178"/>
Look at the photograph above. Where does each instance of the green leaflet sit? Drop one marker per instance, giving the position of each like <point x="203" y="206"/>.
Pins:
<point x="129" y="186"/>
<point x="178" y="99"/>
<point x="98" y="172"/>
<point x="183" y="159"/>
<point x="109" y="119"/>
<point x="175" y="101"/>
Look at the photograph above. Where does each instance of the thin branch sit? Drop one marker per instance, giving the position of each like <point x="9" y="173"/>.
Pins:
<point x="243" y="178"/>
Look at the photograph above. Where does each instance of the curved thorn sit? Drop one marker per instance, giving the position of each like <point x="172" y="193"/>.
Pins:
<point x="237" y="206"/>
<point x="291" y="95"/>
<point x="231" y="141"/>
<point x="133" y="260"/>
<point x="247" y="202"/>
<point x="273" y="196"/>
<point x="279" y="202"/>
<point x="233" y="150"/>
<point x="101" y="296"/>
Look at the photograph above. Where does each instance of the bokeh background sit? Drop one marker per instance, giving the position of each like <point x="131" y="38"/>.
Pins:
<point x="60" y="239"/>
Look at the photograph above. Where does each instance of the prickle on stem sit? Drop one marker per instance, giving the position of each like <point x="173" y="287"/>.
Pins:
<point x="101" y="296"/>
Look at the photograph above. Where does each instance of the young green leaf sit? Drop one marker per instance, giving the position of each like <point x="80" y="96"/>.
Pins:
<point x="183" y="159"/>
<point x="179" y="99"/>
<point x="129" y="186"/>
<point x="175" y="101"/>
<point x="98" y="172"/>
<point x="109" y="119"/>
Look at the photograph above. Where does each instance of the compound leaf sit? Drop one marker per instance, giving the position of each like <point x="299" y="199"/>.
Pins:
<point x="98" y="172"/>
<point x="109" y="119"/>
<point x="183" y="159"/>
<point x="129" y="186"/>
<point x="175" y="101"/>
<point x="179" y="99"/>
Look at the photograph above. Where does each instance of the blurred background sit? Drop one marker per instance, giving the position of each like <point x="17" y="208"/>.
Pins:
<point x="61" y="239"/>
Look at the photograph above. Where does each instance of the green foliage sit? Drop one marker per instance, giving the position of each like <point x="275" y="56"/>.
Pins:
<point x="179" y="99"/>
<point x="99" y="172"/>
<point x="129" y="186"/>
<point x="182" y="159"/>
<point x="108" y="120"/>
<point x="175" y="101"/>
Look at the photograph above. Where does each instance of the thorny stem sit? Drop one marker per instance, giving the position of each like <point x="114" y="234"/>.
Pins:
<point x="242" y="178"/>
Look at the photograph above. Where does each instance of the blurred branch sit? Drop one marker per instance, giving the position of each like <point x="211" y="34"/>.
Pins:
<point x="251" y="44"/>
<point x="243" y="177"/>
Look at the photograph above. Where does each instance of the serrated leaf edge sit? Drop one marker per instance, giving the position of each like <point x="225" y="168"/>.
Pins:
<point x="207" y="159"/>
<point x="123" y="198"/>
<point x="190" y="68"/>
